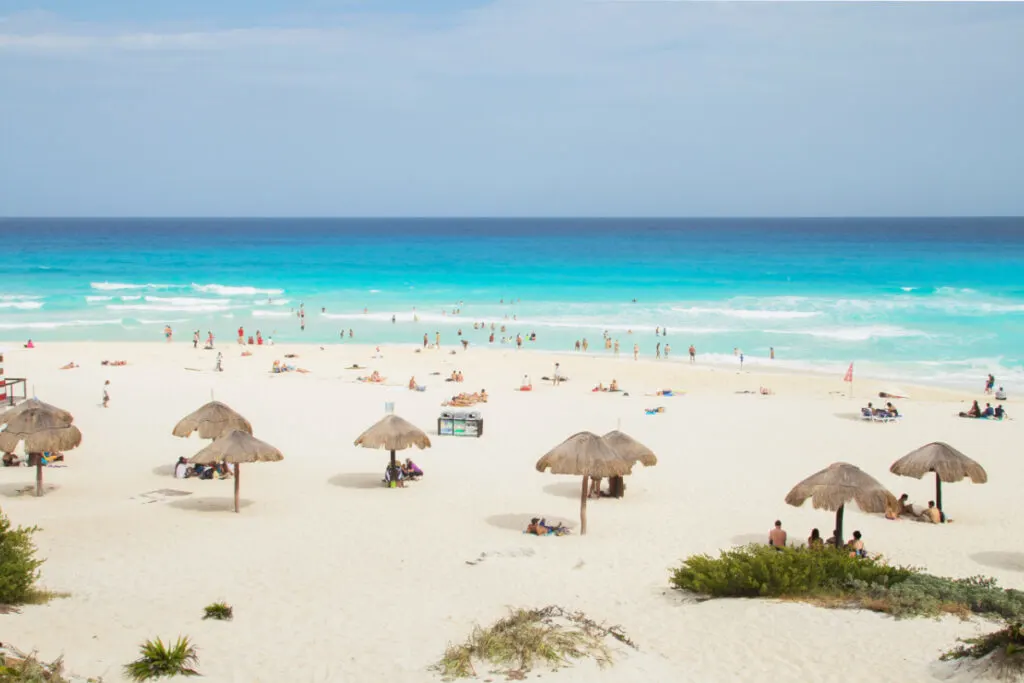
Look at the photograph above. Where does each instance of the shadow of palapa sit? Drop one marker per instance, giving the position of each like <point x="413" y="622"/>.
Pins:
<point x="519" y="521"/>
<point x="164" y="470"/>
<point x="224" y="504"/>
<point x="358" y="480"/>
<point x="1000" y="560"/>
<point x="25" y="489"/>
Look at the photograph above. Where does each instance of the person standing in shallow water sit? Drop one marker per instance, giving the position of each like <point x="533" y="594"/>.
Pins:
<point x="693" y="353"/>
<point x="657" y="350"/>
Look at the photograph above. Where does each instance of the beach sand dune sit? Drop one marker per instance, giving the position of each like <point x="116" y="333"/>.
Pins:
<point x="334" y="578"/>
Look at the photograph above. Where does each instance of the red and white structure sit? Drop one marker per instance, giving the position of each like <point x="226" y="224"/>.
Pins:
<point x="3" y="382"/>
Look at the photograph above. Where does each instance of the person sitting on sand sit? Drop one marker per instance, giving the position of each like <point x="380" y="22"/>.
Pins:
<point x="975" y="411"/>
<point x="375" y="377"/>
<point x="905" y="506"/>
<point x="765" y="391"/>
<point x="30" y="345"/>
<point x="412" y="383"/>
<point x="999" y="412"/>
<point x="11" y="460"/>
<point x="614" y="386"/>
<point x="989" y="411"/>
<point x="777" y="536"/>
<point x="1000" y="394"/>
<point x="399" y="477"/>
<point x="856" y="546"/>
<point x="181" y="469"/>
<point x="814" y="541"/>
<point x="412" y="470"/>
<point x="932" y="514"/>
<point x="246" y="353"/>
<point x="599" y="387"/>
<point x="70" y="366"/>
<point x="831" y="541"/>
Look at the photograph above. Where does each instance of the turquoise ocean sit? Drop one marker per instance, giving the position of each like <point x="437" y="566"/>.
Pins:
<point x="929" y="300"/>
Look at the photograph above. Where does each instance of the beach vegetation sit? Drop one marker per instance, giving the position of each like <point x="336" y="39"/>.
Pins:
<point x="221" y="611"/>
<point x="159" y="660"/>
<point x="19" y="566"/>
<point x="516" y="643"/>
<point x="29" y="669"/>
<point x="830" y="577"/>
<point x="1002" y="650"/>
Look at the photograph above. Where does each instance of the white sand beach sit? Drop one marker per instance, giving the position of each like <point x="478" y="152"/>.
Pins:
<point x="335" y="578"/>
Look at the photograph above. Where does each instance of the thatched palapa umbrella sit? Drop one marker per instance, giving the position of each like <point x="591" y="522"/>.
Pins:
<point x="43" y="429"/>
<point x="948" y="464"/>
<point x="393" y="433"/>
<point x="237" y="447"/>
<point x="211" y="421"/>
<point x="588" y="455"/>
<point x="32" y="404"/>
<point x="835" y="486"/>
<point x="632" y="451"/>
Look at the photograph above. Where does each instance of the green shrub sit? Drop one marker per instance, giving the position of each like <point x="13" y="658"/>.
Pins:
<point x="1005" y="645"/>
<point x="762" y="571"/>
<point x="159" y="660"/>
<point x="19" y="568"/>
<point x="927" y="595"/>
<point x="220" y="611"/>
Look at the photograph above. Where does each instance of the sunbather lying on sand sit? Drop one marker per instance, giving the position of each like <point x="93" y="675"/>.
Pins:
<point x="114" y="363"/>
<point x="375" y="378"/>
<point x="654" y="411"/>
<point x="666" y="392"/>
<point x="539" y="527"/>
<point x="465" y="400"/>
<point x="282" y="367"/>
<point x="70" y="366"/>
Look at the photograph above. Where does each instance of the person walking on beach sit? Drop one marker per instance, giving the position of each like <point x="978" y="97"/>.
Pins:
<point x="741" y="360"/>
<point x="195" y="339"/>
<point x="424" y="340"/>
<point x="241" y="335"/>
<point x="106" y="394"/>
<point x="636" y="351"/>
<point x="585" y="345"/>
<point x="168" y="333"/>
<point x="989" y="384"/>
<point x="219" y="367"/>
<point x="667" y="349"/>
<point x="209" y="339"/>
<point x="657" y="350"/>
<point x="693" y="354"/>
<point x="771" y="352"/>
<point x="556" y="378"/>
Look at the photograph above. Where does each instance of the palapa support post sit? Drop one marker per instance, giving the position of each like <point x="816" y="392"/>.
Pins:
<point x="938" y="497"/>
<point x="583" y="506"/>
<point x="238" y="469"/>
<point x="39" y="473"/>
<point x="839" y="526"/>
<point x="394" y="472"/>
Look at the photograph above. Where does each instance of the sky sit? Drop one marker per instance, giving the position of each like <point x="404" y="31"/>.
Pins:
<point x="510" y="108"/>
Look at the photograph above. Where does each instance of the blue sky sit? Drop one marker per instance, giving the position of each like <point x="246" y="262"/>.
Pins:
<point x="522" y="107"/>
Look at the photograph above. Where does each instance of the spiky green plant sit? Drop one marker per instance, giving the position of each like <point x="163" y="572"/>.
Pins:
<point x="159" y="660"/>
<point x="19" y="568"/>
<point x="31" y="670"/>
<point x="220" y="611"/>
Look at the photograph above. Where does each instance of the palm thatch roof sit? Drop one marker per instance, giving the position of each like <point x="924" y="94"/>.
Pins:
<point x="587" y="454"/>
<point x="630" y="449"/>
<point x="237" y="447"/>
<point x="393" y="433"/>
<point x="949" y="464"/>
<point x="838" y="484"/>
<point x="34" y="404"/>
<point x="211" y="421"/>
<point x="41" y="430"/>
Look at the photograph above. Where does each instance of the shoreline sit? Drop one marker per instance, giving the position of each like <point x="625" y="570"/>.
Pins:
<point x="761" y="370"/>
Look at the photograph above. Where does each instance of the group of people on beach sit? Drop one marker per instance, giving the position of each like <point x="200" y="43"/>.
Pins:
<point x="183" y="469"/>
<point x="777" y="538"/>
<point x="976" y="411"/>
<point x="405" y="471"/>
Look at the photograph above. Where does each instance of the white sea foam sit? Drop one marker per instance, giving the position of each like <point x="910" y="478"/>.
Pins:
<point x="114" y="286"/>
<point x="908" y="289"/>
<point x="19" y="297"/>
<point x="146" y="321"/>
<point x="225" y="290"/>
<point x="93" y="299"/>
<point x="271" y="314"/>
<point x="172" y="308"/>
<point x="22" y="305"/>
<point x="864" y="333"/>
<point x="271" y="302"/>
<point x="186" y="301"/>
<point x="749" y="314"/>
<point x="54" y="324"/>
